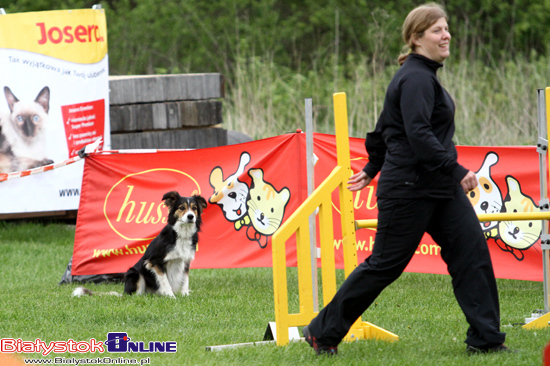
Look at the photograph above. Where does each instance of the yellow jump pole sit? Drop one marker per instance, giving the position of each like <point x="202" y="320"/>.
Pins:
<point x="503" y="216"/>
<point x="359" y="330"/>
<point x="346" y="197"/>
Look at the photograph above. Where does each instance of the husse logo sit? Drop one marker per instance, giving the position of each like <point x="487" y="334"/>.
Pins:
<point x="68" y="34"/>
<point x="119" y="342"/>
<point x="133" y="207"/>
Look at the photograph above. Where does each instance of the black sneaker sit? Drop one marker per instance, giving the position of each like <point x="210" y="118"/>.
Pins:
<point x="498" y="348"/>
<point x="319" y="348"/>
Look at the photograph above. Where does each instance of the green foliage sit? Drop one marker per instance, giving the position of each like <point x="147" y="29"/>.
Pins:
<point x="274" y="54"/>
<point x="496" y="104"/>
<point x="198" y="36"/>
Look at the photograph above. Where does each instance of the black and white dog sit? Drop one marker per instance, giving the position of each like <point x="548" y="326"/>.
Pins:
<point x="164" y="267"/>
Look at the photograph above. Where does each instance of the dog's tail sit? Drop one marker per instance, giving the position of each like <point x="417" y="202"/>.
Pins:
<point x="83" y="291"/>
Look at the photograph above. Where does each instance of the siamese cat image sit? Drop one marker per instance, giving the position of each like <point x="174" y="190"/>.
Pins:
<point x="22" y="135"/>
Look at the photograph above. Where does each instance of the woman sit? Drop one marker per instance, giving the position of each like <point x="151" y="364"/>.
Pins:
<point x="421" y="189"/>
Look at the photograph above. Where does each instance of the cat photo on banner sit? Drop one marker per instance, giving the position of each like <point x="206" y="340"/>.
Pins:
<point x="22" y="132"/>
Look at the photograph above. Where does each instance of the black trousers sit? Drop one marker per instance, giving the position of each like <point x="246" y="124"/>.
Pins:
<point x="453" y="225"/>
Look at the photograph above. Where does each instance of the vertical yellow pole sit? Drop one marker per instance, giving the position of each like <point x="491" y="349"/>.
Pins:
<point x="346" y="197"/>
<point x="305" y="278"/>
<point x="280" y="291"/>
<point x="546" y="253"/>
<point x="328" y="263"/>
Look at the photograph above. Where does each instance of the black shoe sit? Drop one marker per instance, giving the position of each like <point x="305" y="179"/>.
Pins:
<point x="319" y="348"/>
<point x="487" y="349"/>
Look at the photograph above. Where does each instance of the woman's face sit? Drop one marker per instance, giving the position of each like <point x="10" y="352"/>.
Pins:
<point x="434" y="44"/>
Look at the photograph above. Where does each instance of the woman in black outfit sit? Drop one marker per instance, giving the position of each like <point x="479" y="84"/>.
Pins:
<point x="421" y="189"/>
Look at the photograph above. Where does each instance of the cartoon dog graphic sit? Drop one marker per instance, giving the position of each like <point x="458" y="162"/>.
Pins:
<point x="266" y="208"/>
<point x="231" y="194"/>
<point x="486" y="197"/>
<point x="260" y="208"/>
<point x="517" y="236"/>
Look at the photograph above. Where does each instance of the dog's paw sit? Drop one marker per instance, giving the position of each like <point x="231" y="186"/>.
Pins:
<point x="167" y="294"/>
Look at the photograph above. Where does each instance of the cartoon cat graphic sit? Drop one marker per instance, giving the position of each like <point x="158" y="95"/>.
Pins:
<point x="517" y="236"/>
<point x="231" y="194"/>
<point x="23" y="140"/>
<point x="486" y="197"/>
<point x="266" y="208"/>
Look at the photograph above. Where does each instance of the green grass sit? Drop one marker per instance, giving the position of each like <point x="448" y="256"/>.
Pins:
<point x="229" y="306"/>
<point x="496" y="104"/>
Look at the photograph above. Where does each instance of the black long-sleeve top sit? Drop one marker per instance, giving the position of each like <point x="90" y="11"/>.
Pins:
<point x="411" y="144"/>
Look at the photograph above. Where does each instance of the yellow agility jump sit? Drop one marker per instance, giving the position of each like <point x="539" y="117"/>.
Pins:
<point x="298" y="223"/>
<point x="321" y="200"/>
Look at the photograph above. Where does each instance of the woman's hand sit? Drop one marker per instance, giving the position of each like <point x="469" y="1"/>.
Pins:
<point x="358" y="181"/>
<point x="469" y="182"/>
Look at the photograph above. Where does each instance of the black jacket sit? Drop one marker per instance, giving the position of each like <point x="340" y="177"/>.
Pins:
<point x="412" y="143"/>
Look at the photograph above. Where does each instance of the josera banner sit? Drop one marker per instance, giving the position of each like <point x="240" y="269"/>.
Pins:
<point x="55" y="101"/>
<point x="253" y="188"/>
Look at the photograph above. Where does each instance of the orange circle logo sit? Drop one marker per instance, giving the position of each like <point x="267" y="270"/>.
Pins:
<point x="133" y="206"/>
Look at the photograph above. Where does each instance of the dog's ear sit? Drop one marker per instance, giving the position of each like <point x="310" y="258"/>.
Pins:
<point x="201" y="201"/>
<point x="170" y="198"/>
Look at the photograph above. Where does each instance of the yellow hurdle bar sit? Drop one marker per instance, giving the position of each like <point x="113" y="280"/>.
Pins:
<point x="297" y="225"/>
<point x="503" y="216"/>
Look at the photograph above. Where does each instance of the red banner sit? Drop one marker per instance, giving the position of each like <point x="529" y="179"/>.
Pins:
<point x="121" y="210"/>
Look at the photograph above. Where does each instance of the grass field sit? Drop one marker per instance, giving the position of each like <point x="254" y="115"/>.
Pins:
<point x="229" y="306"/>
<point x="496" y="104"/>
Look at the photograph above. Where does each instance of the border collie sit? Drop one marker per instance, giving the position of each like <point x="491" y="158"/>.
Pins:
<point x="164" y="267"/>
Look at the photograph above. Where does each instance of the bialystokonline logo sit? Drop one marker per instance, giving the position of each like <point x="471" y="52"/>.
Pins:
<point x="117" y="342"/>
<point x="121" y="343"/>
<point x="133" y="207"/>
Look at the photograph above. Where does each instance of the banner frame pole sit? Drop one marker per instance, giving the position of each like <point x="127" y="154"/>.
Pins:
<point x="310" y="188"/>
<point x="542" y="148"/>
<point x="539" y="320"/>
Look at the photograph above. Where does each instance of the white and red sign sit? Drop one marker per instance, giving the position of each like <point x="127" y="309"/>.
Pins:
<point x="84" y="123"/>
<point x="55" y="76"/>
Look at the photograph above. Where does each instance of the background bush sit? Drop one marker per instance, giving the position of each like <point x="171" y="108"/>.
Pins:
<point x="276" y="53"/>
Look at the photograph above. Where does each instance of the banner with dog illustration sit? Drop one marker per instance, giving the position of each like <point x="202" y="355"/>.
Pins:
<point x="54" y="101"/>
<point x="252" y="188"/>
